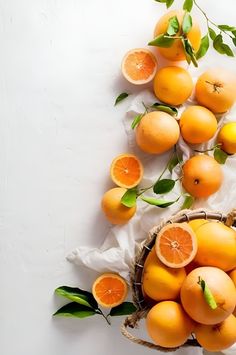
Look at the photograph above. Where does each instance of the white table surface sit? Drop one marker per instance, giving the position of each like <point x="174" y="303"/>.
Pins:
<point x="59" y="75"/>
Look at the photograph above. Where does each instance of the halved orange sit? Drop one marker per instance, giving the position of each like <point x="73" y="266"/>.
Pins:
<point x="176" y="245"/>
<point x="139" y="66"/>
<point x="109" y="290"/>
<point x="126" y="171"/>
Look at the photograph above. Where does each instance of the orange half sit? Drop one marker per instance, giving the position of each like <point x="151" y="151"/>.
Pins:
<point x="176" y="245"/>
<point x="139" y="66"/>
<point x="126" y="171"/>
<point x="109" y="290"/>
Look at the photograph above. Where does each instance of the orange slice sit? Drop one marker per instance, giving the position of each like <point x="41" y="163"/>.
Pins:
<point x="126" y="171"/>
<point x="109" y="290"/>
<point x="176" y="245"/>
<point x="139" y="66"/>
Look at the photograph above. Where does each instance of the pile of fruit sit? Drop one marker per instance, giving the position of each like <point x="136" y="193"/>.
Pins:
<point x="189" y="279"/>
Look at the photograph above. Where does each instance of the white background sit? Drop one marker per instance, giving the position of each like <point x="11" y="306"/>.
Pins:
<point x="59" y="75"/>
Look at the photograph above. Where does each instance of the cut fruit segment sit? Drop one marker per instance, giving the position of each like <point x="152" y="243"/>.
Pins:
<point x="176" y="245"/>
<point x="109" y="290"/>
<point x="126" y="171"/>
<point x="139" y="66"/>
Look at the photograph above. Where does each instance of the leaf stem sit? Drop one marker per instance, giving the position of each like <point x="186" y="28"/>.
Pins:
<point x="208" y="150"/>
<point x="99" y="311"/>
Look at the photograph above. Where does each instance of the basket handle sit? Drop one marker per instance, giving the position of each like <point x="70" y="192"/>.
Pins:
<point x="132" y="322"/>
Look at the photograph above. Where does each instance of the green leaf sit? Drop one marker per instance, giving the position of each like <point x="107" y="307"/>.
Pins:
<point x="161" y="41"/>
<point x="173" y="26"/>
<point x="169" y="3"/>
<point x="175" y="160"/>
<point x="189" y="52"/>
<point x="227" y="28"/>
<point x="129" y="198"/>
<point x="188" y="202"/>
<point x="220" y="156"/>
<point x="221" y="47"/>
<point x="164" y="1"/>
<point x="187" y="23"/>
<point x="136" y="120"/>
<point x="77" y="295"/>
<point x="227" y="50"/>
<point x="74" y="309"/>
<point x="203" y="47"/>
<point x="234" y="41"/>
<point x="188" y="4"/>
<point x="121" y="97"/>
<point x="157" y="202"/>
<point x="168" y="109"/>
<point x="207" y="294"/>
<point x="212" y="33"/>
<point x="123" y="309"/>
<point x="163" y="186"/>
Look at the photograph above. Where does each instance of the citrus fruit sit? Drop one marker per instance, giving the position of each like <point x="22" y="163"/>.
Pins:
<point x="222" y="288"/>
<point x="173" y="85"/>
<point x="215" y="89"/>
<point x="139" y="66"/>
<point x="227" y="137"/>
<point x="176" y="245"/>
<point x="168" y="325"/>
<point x="176" y="51"/>
<point x="126" y="171"/>
<point x="202" y="176"/>
<point x="114" y="211"/>
<point x="109" y="290"/>
<point x="157" y="132"/>
<point x="217" y="337"/>
<point x="196" y="223"/>
<point x="232" y="275"/>
<point x="159" y="281"/>
<point x="216" y="245"/>
<point x="197" y="124"/>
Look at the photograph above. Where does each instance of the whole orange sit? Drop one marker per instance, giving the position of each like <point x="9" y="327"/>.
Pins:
<point x="161" y="282"/>
<point x="217" y="337"/>
<point x="227" y="137"/>
<point x="222" y="289"/>
<point x="176" y="51"/>
<point x="197" y="124"/>
<point x="173" y="85"/>
<point x="157" y="132"/>
<point x="216" y="90"/>
<point x="232" y="275"/>
<point x="168" y="325"/>
<point x="114" y="211"/>
<point x="202" y="176"/>
<point x="216" y="246"/>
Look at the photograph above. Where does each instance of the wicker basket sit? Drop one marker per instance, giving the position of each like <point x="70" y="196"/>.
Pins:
<point x="136" y="274"/>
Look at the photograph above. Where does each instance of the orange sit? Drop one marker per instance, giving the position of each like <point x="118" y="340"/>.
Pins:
<point x="157" y="132"/>
<point x="168" y="325"/>
<point x="114" y="211"/>
<point x="216" y="246"/>
<point x="176" y="51"/>
<point x="126" y="171"/>
<point x="159" y="281"/>
<point x="216" y="90"/>
<point x="202" y="176"/>
<point x="173" y="85"/>
<point x="222" y="289"/>
<point x="139" y="66"/>
<point x="109" y="290"/>
<point x="217" y="337"/>
<point x="196" y="223"/>
<point x="197" y="124"/>
<point x="232" y="275"/>
<point x="227" y="137"/>
<point x="176" y="245"/>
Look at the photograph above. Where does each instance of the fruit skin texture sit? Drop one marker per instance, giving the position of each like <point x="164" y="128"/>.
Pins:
<point x="216" y="246"/>
<point x="223" y="291"/>
<point x="202" y="176"/>
<point x="227" y="137"/>
<point x="159" y="281"/>
<point x="173" y="85"/>
<point x="197" y="124"/>
<point x="168" y="325"/>
<point x="217" y="337"/>
<point x="232" y="275"/>
<point x="176" y="51"/>
<point x="114" y="211"/>
<point x="157" y="132"/>
<point x="215" y="89"/>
